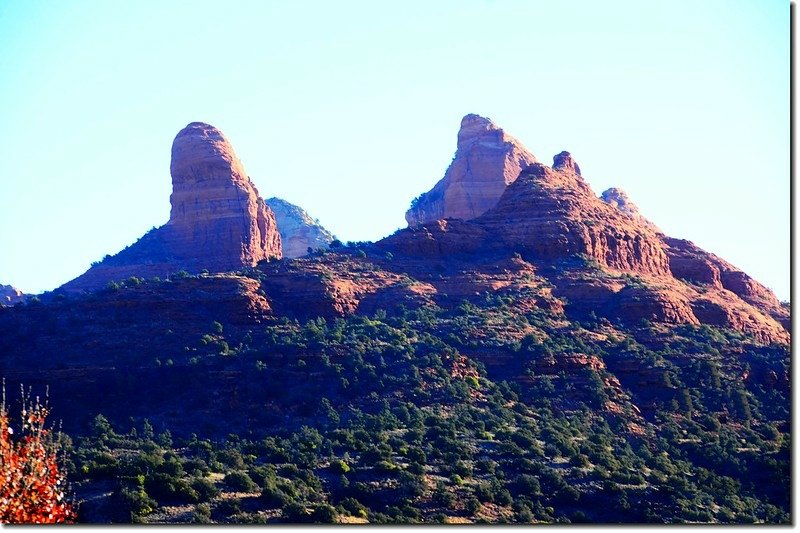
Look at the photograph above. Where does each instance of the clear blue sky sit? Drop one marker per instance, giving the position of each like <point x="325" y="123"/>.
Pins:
<point x="350" y="109"/>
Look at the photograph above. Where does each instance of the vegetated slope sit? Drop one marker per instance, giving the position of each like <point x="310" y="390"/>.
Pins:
<point x="468" y="395"/>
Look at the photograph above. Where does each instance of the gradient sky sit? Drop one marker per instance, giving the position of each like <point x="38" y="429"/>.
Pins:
<point x="351" y="109"/>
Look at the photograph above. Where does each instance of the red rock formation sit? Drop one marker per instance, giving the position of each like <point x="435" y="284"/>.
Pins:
<point x="486" y="161"/>
<point x="656" y="304"/>
<point x="335" y="285"/>
<point x="217" y="218"/>
<point x="691" y="263"/>
<point x="662" y="300"/>
<point x="630" y="302"/>
<point x="564" y="161"/>
<point x="552" y="217"/>
<point x="229" y="297"/>
<point x="471" y="278"/>
<point x="218" y="221"/>
<point x="547" y="214"/>
<point x="724" y="308"/>
<point x="437" y="239"/>
<point x="550" y="213"/>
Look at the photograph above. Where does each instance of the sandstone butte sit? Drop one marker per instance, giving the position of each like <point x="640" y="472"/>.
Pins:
<point x="298" y="230"/>
<point x="486" y="161"/>
<point x="217" y="220"/>
<point x="601" y="254"/>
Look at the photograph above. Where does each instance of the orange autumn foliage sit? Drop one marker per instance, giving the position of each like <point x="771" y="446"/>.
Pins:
<point x="32" y="486"/>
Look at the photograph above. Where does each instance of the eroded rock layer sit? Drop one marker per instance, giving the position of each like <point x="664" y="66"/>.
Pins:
<point x="217" y="217"/>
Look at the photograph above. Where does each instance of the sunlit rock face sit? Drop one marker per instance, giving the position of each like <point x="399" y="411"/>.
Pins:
<point x="217" y="216"/>
<point x="10" y="295"/>
<point x="487" y="159"/>
<point x="217" y="220"/>
<point x="298" y="230"/>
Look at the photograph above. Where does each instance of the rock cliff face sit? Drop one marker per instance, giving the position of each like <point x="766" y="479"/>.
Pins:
<point x="10" y="295"/>
<point x="298" y="230"/>
<point x="691" y="263"/>
<point x="552" y="213"/>
<point x="217" y="217"/>
<point x="217" y="222"/>
<point x="487" y="159"/>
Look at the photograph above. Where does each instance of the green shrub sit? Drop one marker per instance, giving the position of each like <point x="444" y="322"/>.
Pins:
<point x="503" y="497"/>
<point x="354" y="507"/>
<point x="201" y="514"/>
<point x="339" y="467"/>
<point x="168" y="488"/>
<point x="472" y="505"/>
<point x="274" y="497"/>
<point x="135" y="502"/>
<point x="228" y="507"/>
<point x="262" y="474"/>
<point x="324" y="514"/>
<point x="240" y="481"/>
<point x="385" y="466"/>
<point x="296" y="513"/>
<point x="204" y="488"/>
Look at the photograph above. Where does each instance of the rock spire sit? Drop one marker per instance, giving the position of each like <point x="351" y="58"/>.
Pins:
<point x="218" y="221"/>
<point x="486" y="161"/>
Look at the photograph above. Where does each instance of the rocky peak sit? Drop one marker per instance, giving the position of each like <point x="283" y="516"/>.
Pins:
<point x="474" y="127"/>
<point x="553" y="213"/>
<point x="564" y="161"/>
<point x="217" y="216"/>
<point x="217" y="222"/>
<point x="551" y="217"/>
<point x="548" y="214"/>
<point x="10" y="295"/>
<point x="298" y="230"/>
<point x="200" y="152"/>
<point x="487" y="159"/>
<point x="616" y="197"/>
